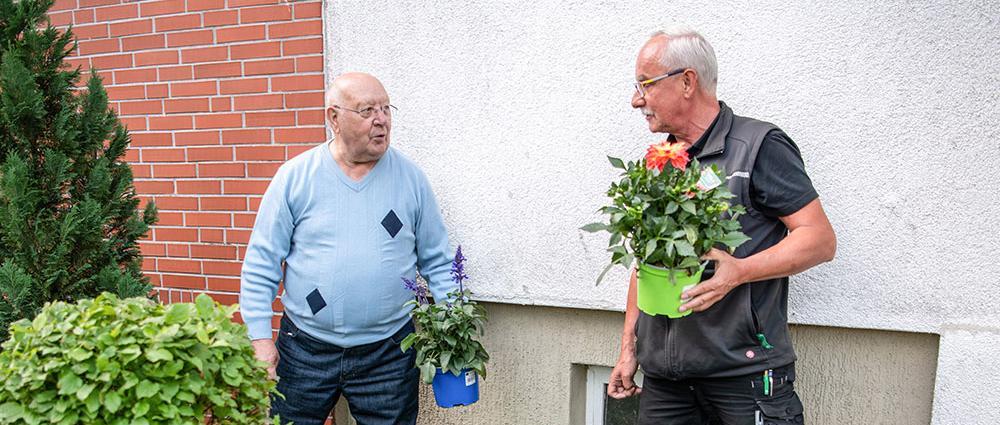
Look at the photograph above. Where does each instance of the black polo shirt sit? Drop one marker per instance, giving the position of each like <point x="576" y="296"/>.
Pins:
<point x="779" y="185"/>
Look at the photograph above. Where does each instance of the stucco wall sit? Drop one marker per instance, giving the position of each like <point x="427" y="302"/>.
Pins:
<point x="510" y="107"/>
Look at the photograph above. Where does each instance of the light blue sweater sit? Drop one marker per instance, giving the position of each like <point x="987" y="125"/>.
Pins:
<point x="346" y="245"/>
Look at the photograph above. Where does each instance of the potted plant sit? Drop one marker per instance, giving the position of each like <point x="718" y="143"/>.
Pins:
<point x="448" y="354"/>
<point x="132" y="361"/>
<point x="666" y="214"/>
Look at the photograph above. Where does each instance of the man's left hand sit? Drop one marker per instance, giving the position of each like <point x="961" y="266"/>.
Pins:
<point x="727" y="276"/>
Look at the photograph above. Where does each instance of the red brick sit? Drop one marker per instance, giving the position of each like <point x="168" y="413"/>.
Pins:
<point x="220" y="252"/>
<point x="178" y="266"/>
<point x="257" y="102"/>
<point x="243" y="137"/>
<point x="179" y="22"/>
<point x="222" y="104"/>
<point x="156" y="91"/>
<point x="112" y="61"/>
<point x="308" y="10"/>
<point x="245" y="220"/>
<point x="164" y="7"/>
<point x="242" y="3"/>
<point x="241" y="33"/>
<point x="126" y="92"/>
<point x="171" y="106"/>
<point x="163" y="57"/>
<point x="225" y="284"/>
<point x="178" y="250"/>
<point x="173" y="203"/>
<point x="215" y="70"/>
<point x="144" y="26"/>
<point x="84" y="32"/>
<point x="131" y="154"/>
<point x="73" y="63"/>
<point x="255" y="50"/>
<point x="243" y="85"/>
<point x="225" y="299"/>
<point x="152" y="249"/>
<point x="295" y="29"/>
<point x="148" y="264"/>
<point x="241" y="187"/>
<point x="272" y="66"/>
<point x="105" y="76"/>
<point x="205" y="54"/>
<point x="190" y="38"/>
<point x="153" y="187"/>
<point x="237" y="236"/>
<point x="270" y="119"/>
<point x="296" y="150"/>
<point x="92" y="3"/>
<point x="309" y="64"/>
<point x="170" y="73"/>
<point x="198" y="5"/>
<point x="173" y="122"/>
<point x="260" y="153"/>
<point x="113" y="13"/>
<point x="170" y="219"/>
<point x="188" y="138"/>
<point x="176" y="234"/>
<point x="212" y="235"/>
<point x="262" y="169"/>
<point x="162" y="155"/>
<point x="210" y="154"/>
<point x="265" y="14"/>
<point x="310" y="117"/>
<point x="304" y="100"/>
<point x="183" y="281"/>
<point x="222" y="17"/>
<point x="61" y="19"/>
<point x="92" y="47"/>
<point x="85" y="16"/>
<point x="63" y="5"/>
<point x="300" y="135"/>
<point x="142" y="107"/>
<point x="208" y="219"/>
<point x="151" y="139"/>
<point x="197" y="88"/>
<point x="144" y="42"/>
<point x="218" y="121"/>
<point x="223" y="203"/>
<point x="220" y="170"/>
<point x="141" y="172"/>
<point x="297" y="83"/>
<point x="199" y="187"/>
<point x="302" y="47"/>
<point x="133" y="123"/>
<point x="127" y="76"/>
<point x="174" y="171"/>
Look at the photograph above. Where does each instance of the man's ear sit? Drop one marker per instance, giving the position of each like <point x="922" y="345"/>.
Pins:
<point x="331" y="118"/>
<point x="690" y="81"/>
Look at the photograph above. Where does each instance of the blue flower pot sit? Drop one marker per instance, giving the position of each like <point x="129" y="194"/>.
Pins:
<point x="451" y="390"/>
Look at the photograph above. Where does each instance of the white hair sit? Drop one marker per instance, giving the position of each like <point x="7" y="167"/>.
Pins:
<point x="686" y="48"/>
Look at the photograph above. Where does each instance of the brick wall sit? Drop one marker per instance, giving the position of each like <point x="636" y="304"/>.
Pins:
<point x="216" y="94"/>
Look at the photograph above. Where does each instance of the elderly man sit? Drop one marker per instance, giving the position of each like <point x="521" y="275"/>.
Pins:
<point x="731" y="362"/>
<point x="340" y="225"/>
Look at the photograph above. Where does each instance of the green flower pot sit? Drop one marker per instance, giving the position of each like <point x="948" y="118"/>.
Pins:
<point x="660" y="290"/>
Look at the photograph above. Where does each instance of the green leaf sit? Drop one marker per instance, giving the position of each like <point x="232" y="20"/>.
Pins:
<point x="158" y="354"/>
<point x="691" y="232"/>
<point x="69" y="383"/>
<point x="112" y="401"/>
<point x="734" y="239"/>
<point x="684" y="248"/>
<point x="146" y="389"/>
<point x="617" y="163"/>
<point x="427" y="371"/>
<point x="689" y="207"/>
<point x="594" y="227"/>
<point x="600" y="277"/>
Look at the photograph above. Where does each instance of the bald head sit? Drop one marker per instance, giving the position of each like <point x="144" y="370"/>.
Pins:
<point x="358" y="112"/>
<point x="347" y="88"/>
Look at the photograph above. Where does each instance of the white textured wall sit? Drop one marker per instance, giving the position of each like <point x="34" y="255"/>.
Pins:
<point x="511" y="106"/>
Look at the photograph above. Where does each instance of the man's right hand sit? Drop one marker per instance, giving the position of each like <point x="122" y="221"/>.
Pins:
<point x="621" y="384"/>
<point x="265" y="351"/>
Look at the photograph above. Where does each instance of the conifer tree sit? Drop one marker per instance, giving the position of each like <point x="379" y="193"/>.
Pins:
<point x="69" y="215"/>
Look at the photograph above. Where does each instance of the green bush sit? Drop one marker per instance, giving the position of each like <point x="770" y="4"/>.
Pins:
<point x="132" y="361"/>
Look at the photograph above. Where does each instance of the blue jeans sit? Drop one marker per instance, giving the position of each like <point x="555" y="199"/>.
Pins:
<point x="378" y="379"/>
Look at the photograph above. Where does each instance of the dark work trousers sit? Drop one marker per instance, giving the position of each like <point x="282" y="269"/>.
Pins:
<point x="722" y="401"/>
<point x="378" y="379"/>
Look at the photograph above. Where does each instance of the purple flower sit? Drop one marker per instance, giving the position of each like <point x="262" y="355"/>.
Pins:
<point x="419" y="290"/>
<point x="458" y="269"/>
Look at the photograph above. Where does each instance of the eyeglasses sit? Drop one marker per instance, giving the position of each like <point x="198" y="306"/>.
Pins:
<point x="640" y="86"/>
<point x="368" y="112"/>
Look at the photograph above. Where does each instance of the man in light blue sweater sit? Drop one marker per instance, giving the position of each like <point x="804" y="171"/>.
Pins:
<point x="340" y="225"/>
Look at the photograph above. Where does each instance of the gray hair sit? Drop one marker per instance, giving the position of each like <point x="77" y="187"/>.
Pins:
<point x="687" y="48"/>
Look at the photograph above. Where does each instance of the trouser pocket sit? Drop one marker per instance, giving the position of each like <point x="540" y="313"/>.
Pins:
<point x="785" y="409"/>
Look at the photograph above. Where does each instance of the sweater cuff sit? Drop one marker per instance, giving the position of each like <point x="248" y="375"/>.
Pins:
<point x="259" y="329"/>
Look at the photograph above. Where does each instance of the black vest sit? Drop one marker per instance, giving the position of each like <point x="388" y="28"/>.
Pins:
<point x="725" y="341"/>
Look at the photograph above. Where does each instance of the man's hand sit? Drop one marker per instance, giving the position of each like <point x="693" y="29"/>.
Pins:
<point x="265" y="351"/>
<point x="727" y="276"/>
<point x="620" y="384"/>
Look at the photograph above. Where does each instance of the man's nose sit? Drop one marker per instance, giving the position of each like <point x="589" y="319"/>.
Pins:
<point x="638" y="100"/>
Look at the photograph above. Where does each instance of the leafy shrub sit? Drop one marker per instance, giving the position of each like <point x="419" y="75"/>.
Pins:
<point x="132" y="361"/>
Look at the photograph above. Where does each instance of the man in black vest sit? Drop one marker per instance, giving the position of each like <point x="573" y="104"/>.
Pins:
<point x="731" y="362"/>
